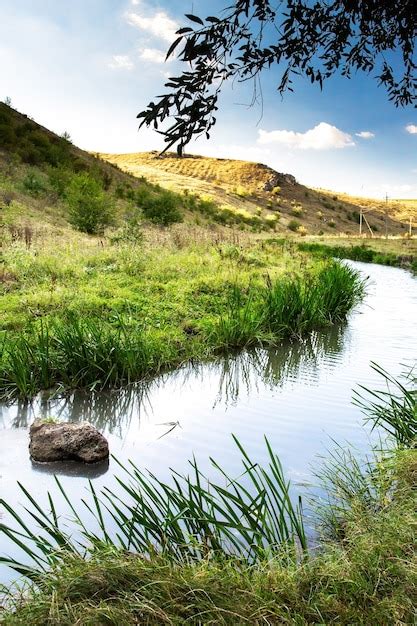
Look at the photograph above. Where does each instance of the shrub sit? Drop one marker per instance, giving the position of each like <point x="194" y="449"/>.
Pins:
<point x="33" y="184"/>
<point x="241" y="192"/>
<point x="272" y="220"/>
<point x="7" y="136"/>
<point x="276" y="190"/>
<point x="332" y="223"/>
<point x="90" y="209"/>
<point x="302" y="230"/>
<point x="297" y="210"/>
<point x="294" y="225"/>
<point x="207" y="206"/>
<point x="120" y="192"/>
<point x="162" y="208"/>
<point x="59" y="179"/>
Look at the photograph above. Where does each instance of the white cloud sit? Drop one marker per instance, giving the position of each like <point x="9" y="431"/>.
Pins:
<point x="365" y="134"/>
<point x="412" y="129"/>
<point x="153" y="55"/>
<point x="121" y="62"/>
<point x="159" y="25"/>
<point x="322" y="137"/>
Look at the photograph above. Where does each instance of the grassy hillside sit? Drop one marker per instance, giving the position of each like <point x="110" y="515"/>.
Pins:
<point x="255" y="189"/>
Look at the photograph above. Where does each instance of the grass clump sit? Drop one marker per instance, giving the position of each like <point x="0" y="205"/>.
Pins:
<point x="189" y="518"/>
<point x="394" y="409"/>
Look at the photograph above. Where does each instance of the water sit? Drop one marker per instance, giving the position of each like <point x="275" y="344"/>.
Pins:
<point x="299" y="395"/>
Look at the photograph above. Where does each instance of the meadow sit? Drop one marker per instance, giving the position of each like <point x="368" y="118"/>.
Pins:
<point x="82" y="312"/>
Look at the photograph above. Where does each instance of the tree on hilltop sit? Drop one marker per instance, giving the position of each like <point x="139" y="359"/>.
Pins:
<point x="303" y="38"/>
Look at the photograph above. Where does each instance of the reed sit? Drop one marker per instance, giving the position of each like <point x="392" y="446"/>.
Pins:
<point x="394" y="409"/>
<point x="250" y="518"/>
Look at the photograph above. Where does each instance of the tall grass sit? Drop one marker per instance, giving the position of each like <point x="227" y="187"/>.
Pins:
<point x="92" y="352"/>
<point x="251" y="518"/>
<point x="289" y="307"/>
<point x="394" y="409"/>
<point x="78" y="352"/>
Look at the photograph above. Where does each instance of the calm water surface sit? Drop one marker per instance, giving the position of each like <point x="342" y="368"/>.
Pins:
<point x="299" y="395"/>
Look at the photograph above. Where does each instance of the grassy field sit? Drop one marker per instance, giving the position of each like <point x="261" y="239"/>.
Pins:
<point x="80" y="311"/>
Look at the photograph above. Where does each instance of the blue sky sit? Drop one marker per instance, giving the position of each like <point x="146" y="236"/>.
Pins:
<point x="89" y="66"/>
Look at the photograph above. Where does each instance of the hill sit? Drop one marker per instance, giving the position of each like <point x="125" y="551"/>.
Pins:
<point x="256" y="190"/>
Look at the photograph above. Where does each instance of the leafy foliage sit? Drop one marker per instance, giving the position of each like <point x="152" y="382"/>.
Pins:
<point x="315" y="40"/>
<point x="91" y="209"/>
<point x="162" y="208"/>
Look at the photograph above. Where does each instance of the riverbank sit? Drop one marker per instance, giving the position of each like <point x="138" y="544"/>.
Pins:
<point x="364" y="572"/>
<point x="83" y="312"/>
<point x="392" y="252"/>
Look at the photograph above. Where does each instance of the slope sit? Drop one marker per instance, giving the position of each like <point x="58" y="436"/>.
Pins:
<point x="256" y="189"/>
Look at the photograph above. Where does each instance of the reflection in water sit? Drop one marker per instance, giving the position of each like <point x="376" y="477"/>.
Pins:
<point x="274" y="367"/>
<point x="72" y="468"/>
<point x="236" y="374"/>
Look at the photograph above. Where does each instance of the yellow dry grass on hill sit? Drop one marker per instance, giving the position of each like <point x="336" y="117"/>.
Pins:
<point x="258" y="189"/>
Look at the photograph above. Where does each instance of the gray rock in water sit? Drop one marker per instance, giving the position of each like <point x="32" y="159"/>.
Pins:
<point x="63" y="442"/>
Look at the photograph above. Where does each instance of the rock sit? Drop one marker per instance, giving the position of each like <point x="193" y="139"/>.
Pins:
<point x="63" y="442"/>
<point x="277" y="179"/>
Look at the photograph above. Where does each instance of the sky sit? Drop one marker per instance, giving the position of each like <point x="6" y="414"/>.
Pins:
<point x="89" y="67"/>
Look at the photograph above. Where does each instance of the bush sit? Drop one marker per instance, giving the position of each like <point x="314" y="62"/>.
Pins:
<point x="162" y="208"/>
<point x="297" y="210"/>
<point x="241" y="192"/>
<point x="332" y="223"/>
<point x="33" y="184"/>
<point x="90" y="209"/>
<point x="7" y="136"/>
<point x="294" y="225"/>
<point x="59" y="179"/>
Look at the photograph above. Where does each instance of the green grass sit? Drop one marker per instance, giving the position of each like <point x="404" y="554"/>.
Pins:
<point x="248" y="518"/>
<point x="367" y="578"/>
<point x="394" y="408"/>
<point x="363" y="252"/>
<point x="111" y="317"/>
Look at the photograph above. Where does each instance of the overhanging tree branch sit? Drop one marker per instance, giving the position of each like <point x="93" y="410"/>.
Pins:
<point x="311" y="39"/>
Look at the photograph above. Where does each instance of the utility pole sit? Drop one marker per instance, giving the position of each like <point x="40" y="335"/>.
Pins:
<point x="386" y="219"/>
<point x="360" y="221"/>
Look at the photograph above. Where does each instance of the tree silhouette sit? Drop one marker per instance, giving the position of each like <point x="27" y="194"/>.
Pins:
<point x="312" y="39"/>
